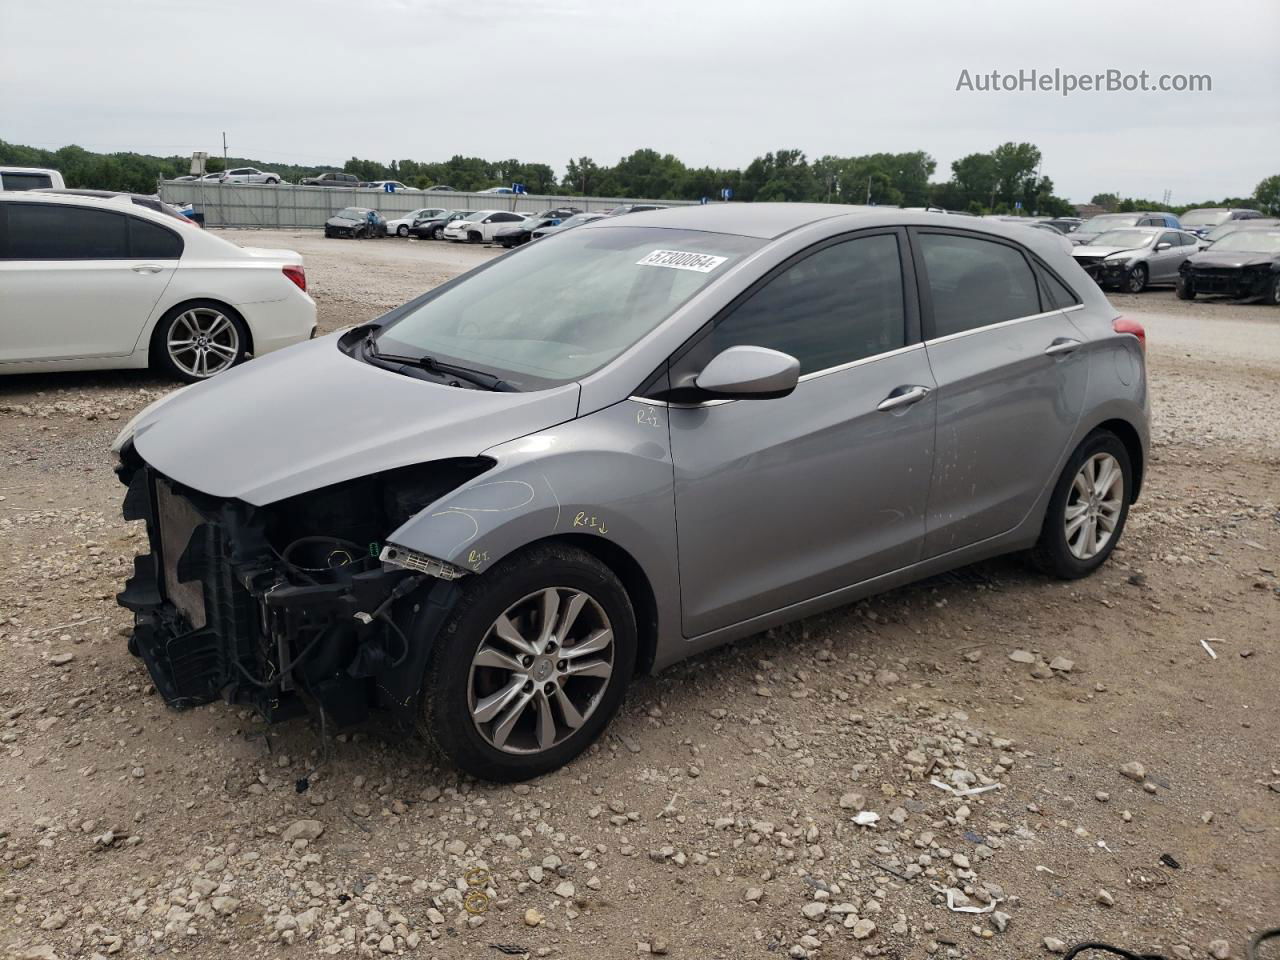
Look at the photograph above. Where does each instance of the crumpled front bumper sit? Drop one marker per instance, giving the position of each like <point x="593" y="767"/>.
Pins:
<point x="1229" y="281"/>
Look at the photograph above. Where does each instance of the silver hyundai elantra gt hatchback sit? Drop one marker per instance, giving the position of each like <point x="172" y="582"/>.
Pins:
<point x="603" y="452"/>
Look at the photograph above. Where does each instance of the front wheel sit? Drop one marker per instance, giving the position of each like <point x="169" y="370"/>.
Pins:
<point x="1088" y="509"/>
<point x="402" y="231"/>
<point x="531" y="665"/>
<point x="1184" y="289"/>
<point x="1136" y="281"/>
<point x="437" y="233"/>
<point x="1273" y="291"/>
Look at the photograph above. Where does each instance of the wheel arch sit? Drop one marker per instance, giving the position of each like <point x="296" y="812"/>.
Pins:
<point x="1128" y="435"/>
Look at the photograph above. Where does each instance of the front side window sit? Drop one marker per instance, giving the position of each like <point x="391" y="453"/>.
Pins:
<point x="840" y="304"/>
<point x="974" y="282"/>
<point x="562" y="310"/>
<point x="38" y="231"/>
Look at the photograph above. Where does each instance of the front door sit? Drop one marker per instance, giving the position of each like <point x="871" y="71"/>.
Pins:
<point x="1011" y="375"/>
<point x="782" y="500"/>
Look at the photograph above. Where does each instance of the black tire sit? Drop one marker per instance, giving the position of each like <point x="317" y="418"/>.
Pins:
<point x="1135" y="281"/>
<point x="161" y="359"/>
<point x="437" y="233"/>
<point x="1052" y="554"/>
<point x="473" y="236"/>
<point x="446" y="719"/>
<point x="1184" y="290"/>
<point x="402" y="230"/>
<point x="1273" y="291"/>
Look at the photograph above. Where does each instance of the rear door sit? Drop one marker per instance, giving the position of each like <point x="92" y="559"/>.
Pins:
<point x="782" y="500"/>
<point x="79" y="281"/>
<point x="1010" y="383"/>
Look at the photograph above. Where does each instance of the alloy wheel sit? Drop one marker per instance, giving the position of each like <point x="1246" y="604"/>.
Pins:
<point x="541" y="670"/>
<point x="1094" y="506"/>
<point x="202" y="342"/>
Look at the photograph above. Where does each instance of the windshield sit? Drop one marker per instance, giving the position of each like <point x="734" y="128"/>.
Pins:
<point x="1122" y="238"/>
<point x="1250" y="241"/>
<point x="352" y="213"/>
<point x="559" y="311"/>
<point x="1203" y="218"/>
<point x="1108" y="221"/>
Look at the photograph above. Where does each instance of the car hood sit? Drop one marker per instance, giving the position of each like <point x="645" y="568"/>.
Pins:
<point x="1084" y="250"/>
<point x="1233" y="259"/>
<point x="342" y="221"/>
<point x="309" y="416"/>
<point x="458" y="224"/>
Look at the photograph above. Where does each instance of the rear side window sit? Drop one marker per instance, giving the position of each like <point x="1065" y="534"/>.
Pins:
<point x="840" y="304"/>
<point x="974" y="282"/>
<point x="38" y="231"/>
<point x="25" y="181"/>
<point x="1059" y="295"/>
<point x="150" y="241"/>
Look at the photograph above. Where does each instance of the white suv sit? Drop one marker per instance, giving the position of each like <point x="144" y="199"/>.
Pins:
<point x="248" y="175"/>
<point x="100" y="282"/>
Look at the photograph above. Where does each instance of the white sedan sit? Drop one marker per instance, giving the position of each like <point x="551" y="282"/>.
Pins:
<point x="481" y="225"/>
<point x="401" y="225"/>
<point x="93" y="283"/>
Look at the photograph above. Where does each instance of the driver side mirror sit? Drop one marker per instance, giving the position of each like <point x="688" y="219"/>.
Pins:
<point x="749" y="373"/>
<point x="1162" y="246"/>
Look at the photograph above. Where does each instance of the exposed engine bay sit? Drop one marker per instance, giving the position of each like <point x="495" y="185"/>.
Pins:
<point x="288" y="606"/>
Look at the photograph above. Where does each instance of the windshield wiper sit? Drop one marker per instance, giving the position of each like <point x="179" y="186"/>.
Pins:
<point x="476" y="377"/>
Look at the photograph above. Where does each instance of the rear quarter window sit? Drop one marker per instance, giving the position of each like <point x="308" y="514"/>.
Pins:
<point x="150" y="241"/>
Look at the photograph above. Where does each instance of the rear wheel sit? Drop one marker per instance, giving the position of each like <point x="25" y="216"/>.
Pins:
<point x="531" y="665"/>
<point x="198" y="340"/>
<point x="1088" y="509"/>
<point x="1184" y="289"/>
<point x="1136" y="281"/>
<point x="1273" y="291"/>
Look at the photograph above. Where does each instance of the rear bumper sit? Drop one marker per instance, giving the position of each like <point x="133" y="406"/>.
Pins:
<point x="219" y="613"/>
<point x="280" y="323"/>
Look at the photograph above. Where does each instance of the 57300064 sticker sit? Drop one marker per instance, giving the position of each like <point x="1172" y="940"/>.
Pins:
<point x="681" y="260"/>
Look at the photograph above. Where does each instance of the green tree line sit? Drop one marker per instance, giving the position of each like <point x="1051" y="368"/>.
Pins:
<point x="1004" y="180"/>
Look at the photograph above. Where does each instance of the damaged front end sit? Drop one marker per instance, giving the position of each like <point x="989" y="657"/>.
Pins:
<point x="287" y="606"/>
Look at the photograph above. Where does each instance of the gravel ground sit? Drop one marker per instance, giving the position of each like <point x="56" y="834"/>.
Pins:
<point x="777" y="797"/>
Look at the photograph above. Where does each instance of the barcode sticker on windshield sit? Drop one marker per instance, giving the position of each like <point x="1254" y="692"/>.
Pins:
<point x="680" y="260"/>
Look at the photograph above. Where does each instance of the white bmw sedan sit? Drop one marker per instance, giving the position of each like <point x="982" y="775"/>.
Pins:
<point x="90" y="283"/>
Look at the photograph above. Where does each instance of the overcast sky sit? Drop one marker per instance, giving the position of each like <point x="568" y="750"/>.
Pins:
<point x="713" y="81"/>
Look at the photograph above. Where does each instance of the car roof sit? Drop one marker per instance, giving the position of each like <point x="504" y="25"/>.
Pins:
<point x="768" y="221"/>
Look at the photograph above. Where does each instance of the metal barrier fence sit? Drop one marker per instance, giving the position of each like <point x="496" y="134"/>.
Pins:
<point x="287" y="206"/>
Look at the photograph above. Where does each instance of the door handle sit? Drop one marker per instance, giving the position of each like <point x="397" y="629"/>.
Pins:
<point x="908" y="396"/>
<point x="147" y="268"/>
<point x="1061" y="345"/>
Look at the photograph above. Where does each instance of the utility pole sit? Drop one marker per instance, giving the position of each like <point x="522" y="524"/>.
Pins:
<point x="868" y="189"/>
<point x="224" y="151"/>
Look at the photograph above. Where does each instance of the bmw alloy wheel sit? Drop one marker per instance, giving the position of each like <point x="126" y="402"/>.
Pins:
<point x="541" y="670"/>
<point x="202" y="342"/>
<point x="1094" y="506"/>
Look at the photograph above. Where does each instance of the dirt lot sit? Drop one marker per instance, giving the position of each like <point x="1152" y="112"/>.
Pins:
<point x="716" y="818"/>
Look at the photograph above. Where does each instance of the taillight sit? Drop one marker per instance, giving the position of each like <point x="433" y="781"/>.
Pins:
<point x="1125" y="325"/>
<point x="299" y="276"/>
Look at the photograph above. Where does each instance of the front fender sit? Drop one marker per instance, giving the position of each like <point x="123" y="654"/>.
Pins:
<point x="607" y="475"/>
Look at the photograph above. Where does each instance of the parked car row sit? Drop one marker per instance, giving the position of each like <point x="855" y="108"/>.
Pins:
<point x="1242" y="260"/>
<point x="330" y="179"/>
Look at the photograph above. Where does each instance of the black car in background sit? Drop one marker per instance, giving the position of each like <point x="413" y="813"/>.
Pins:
<point x="522" y="232"/>
<point x="1243" y="264"/>
<point x="356" y="223"/>
<point x="434" y="229"/>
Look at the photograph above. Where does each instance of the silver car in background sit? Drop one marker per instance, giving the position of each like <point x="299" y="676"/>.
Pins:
<point x="1131" y="258"/>
<point x="644" y="437"/>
